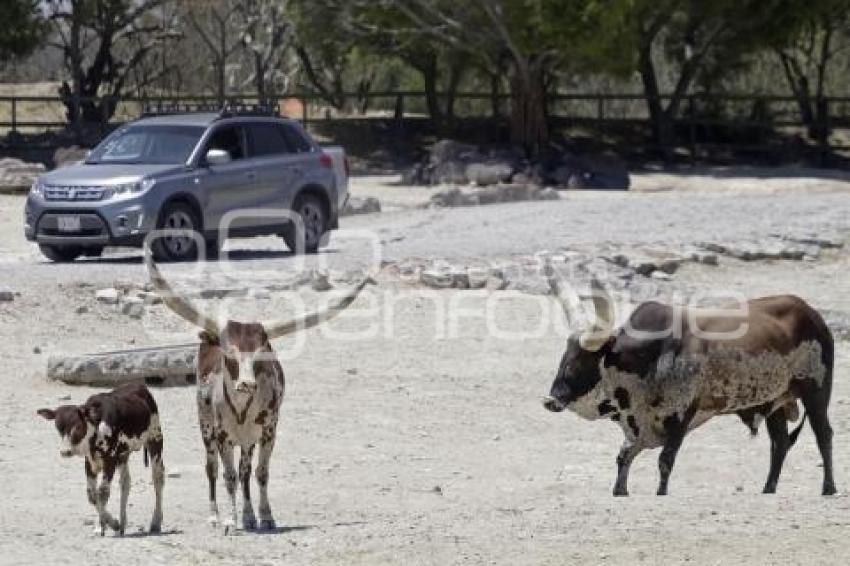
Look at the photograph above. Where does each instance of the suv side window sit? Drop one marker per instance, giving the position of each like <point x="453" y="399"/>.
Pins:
<point x="294" y="139"/>
<point x="229" y="138"/>
<point x="267" y="139"/>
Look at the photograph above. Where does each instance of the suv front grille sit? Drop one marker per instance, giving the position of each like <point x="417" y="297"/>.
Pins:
<point x="72" y="193"/>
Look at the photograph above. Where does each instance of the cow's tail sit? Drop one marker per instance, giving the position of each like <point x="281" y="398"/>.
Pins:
<point x="792" y="438"/>
<point x="145" y="452"/>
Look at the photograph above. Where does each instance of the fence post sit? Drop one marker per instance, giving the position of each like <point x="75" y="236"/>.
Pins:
<point x="14" y="115"/>
<point x="823" y="129"/>
<point x="399" y="111"/>
<point x="305" y="114"/>
<point x="692" y="129"/>
<point x="600" y="118"/>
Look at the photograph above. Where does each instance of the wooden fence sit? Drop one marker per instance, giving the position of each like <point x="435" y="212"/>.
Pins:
<point x="707" y="123"/>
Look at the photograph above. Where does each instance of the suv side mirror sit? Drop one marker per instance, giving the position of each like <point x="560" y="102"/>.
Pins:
<point x="218" y="157"/>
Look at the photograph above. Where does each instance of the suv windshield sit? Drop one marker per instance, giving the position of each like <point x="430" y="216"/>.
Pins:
<point x="147" y="145"/>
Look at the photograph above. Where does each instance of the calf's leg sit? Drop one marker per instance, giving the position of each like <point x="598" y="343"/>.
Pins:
<point x="627" y="454"/>
<point x="266" y="446"/>
<point x="249" y="521"/>
<point x="102" y="498"/>
<point x="777" y="427"/>
<point x="124" y="484"/>
<point x="91" y="493"/>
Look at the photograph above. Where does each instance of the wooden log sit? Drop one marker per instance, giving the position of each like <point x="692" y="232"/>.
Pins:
<point x="167" y="365"/>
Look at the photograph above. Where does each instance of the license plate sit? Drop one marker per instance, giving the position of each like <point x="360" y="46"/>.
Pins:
<point x="69" y="223"/>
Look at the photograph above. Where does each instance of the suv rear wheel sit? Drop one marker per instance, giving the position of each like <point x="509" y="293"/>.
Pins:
<point x="61" y="254"/>
<point x="176" y="216"/>
<point x="312" y="213"/>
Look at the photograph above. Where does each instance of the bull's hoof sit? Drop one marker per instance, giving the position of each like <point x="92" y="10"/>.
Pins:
<point x="661" y="492"/>
<point x="621" y="492"/>
<point x="155" y="529"/>
<point x="267" y="525"/>
<point x="249" y="523"/>
<point x="829" y="489"/>
<point x="769" y="490"/>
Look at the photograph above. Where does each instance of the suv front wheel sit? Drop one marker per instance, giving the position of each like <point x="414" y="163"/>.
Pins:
<point x="61" y="254"/>
<point x="315" y="222"/>
<point x="176" y="216"/>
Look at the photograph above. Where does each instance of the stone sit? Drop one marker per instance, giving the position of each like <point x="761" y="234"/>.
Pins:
<point x="82" y="309"/>
<point x="321" y="282"/>
<point x="70" y="155"/>
<point x="17" y="175"/>
<point x="367" y="205"/>
<point x="6" y="296"/>
<point x="548" y="194"/>
<point x="149" y="298"/>
<point x="485" y="174"/>
<point x="661" y="275"/>
<point x="436" y="279"/>
<point x="107" y="296"/>
<point x="133" y="306"/>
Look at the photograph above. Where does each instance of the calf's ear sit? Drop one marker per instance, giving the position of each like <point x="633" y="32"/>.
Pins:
<point x="48" y="414"/>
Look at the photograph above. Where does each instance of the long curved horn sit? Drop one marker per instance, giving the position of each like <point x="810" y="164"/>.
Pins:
<point x="276" y="329"/>
<point x="603" y="325"/>
<point x="173" y="301"/>
<point x="555" y="286"/>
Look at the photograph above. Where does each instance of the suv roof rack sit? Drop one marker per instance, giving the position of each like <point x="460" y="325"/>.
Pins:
<point x="229" y="109"/>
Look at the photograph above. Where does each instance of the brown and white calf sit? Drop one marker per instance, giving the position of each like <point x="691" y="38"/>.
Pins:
<point x="104" y="431"/>
<point x="669" y="369"/>
<point x="240" y="387"/>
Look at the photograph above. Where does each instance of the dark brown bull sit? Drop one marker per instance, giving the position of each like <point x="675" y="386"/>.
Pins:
<point x="104" y="431"/>
<point x="670" y="369"/>
<point x="240" y="390"/>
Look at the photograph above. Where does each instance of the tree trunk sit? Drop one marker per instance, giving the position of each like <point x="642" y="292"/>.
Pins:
<point x="496" y="95"/>
<point x="529" y="124"/>
<point x="432" y="100"/>
<point x="660" y="122"/>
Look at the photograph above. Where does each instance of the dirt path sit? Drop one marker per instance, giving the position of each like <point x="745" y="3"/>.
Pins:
<point x="416" y="447"/>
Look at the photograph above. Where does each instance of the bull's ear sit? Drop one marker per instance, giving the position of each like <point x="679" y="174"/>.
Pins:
<point x="48" y="414"/>
<point x="92" y="413"/>
<point x="208" y="338"/>
<point x="608" y="345"/>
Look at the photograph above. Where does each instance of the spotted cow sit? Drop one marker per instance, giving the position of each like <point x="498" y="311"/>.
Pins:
<point x="669" y="369"/>
<point x="240" y="387"/>
<point x="104" y="431"/>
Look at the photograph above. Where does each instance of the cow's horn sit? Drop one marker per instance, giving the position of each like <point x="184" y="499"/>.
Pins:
<point x="173" y="301"/>
<point x="281" y="328"/>
<point x="555" y="286"/>
<point x="603" y="325"/>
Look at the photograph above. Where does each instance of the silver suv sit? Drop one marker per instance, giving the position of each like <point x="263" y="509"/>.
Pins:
<point x="190" y="172"/>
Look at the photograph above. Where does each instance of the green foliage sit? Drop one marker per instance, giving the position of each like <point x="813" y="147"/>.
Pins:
<point x="21" y="28"/>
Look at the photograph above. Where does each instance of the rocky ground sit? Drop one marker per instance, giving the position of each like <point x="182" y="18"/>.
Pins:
<point x="422" y="440"/>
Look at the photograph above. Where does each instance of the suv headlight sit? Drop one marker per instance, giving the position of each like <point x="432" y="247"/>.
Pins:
<point x="127" y="189"/>
<point x="37" y="188"/>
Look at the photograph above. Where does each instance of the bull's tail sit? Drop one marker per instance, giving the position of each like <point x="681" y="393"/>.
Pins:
<point x="792" y="438"/>
<point x="145" y="452"/>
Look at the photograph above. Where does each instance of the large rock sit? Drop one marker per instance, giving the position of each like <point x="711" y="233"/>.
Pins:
<point x="17" y="175"/>
<point x="450" y="150"/>
<point x="357" y="205"/>
<point x="483" y="174"/>
<point x="491" y="195"/>
<point x="158" y="366"/>
<point x="65" y="156"/>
